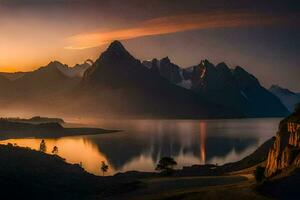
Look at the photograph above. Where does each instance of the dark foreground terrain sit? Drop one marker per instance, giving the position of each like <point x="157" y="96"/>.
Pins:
<point x="30" y="174"/>
<point x="36" y="175"/>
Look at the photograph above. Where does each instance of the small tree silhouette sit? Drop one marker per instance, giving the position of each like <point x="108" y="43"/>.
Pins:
<point x="104" y="167"/>
<point x="43" y="147"/>
<point x="259" y="174"/>
<point x="55" y="150"/>
<point x="297" y="108"/>
<point x="166" y="164"/>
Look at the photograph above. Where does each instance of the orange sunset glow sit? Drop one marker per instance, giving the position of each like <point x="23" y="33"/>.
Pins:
<point x="76" y="38"/>
<point x="171" y="24"/>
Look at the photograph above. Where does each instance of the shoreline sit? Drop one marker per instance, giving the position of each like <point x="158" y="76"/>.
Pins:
<point x="19" y="130"/>
<point x="128" y="185"/>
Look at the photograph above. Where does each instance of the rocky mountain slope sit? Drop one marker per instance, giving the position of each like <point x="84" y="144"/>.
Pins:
<point x="124" y="86"/>
<point x="287" y="97"/>
<point x="233" y="88"/>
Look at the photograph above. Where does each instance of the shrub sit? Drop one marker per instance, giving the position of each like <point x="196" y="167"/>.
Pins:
<point x="166" y="165"/>
<point x="259" y="174"/>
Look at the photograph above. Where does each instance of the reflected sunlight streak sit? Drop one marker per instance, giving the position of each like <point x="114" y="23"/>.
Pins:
<point x="202" y="142"/>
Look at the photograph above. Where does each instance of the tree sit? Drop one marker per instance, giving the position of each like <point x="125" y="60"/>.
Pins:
<point x="55" y="150"/>
<point x="104" y="167"/>
<point x="43" y="147"/>
<point x="166" y="164"/>
<point x="297" y="108"/>
<point x="259" y="174"/>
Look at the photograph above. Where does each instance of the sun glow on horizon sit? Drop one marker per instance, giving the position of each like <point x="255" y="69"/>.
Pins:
<point x="32" y="49"/>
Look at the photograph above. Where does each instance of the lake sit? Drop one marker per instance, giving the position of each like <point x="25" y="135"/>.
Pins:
<point x="141" y="143"/>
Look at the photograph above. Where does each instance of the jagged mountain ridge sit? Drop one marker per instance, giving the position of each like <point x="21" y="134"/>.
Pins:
<point x="234" y="88"/>
<point x="120" y="84"/>
<point x="170" y="71"/>
<point x="132" y="87"/>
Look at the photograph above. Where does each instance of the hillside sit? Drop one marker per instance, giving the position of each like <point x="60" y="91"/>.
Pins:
<point x="37" y="175"/>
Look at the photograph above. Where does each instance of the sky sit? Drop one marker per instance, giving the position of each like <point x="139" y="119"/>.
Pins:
<point x="262" y="36"/>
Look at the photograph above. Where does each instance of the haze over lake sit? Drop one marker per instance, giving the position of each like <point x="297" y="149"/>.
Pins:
<point x="141" y="143"/>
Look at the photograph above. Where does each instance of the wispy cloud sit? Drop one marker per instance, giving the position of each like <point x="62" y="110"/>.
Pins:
<point x="173" y="24"/>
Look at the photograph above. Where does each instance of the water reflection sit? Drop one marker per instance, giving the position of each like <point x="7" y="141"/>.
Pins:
<point x="202" y="141"/>
<point x="143" y="142"/>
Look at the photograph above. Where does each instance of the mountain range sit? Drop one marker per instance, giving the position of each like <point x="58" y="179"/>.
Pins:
<point x="233" y="88"/>
<point x="117" y="84"/>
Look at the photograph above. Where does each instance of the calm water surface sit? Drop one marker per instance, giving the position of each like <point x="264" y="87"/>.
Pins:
<point x="142" y="142"/>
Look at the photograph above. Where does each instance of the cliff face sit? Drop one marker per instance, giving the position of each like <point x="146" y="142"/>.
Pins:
<point x="285" y="153"/>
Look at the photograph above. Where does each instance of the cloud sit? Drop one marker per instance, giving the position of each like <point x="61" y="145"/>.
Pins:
<point x="173" y="24"/>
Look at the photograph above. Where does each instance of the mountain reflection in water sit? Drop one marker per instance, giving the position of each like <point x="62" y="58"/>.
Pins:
<point x="144" y="142"/>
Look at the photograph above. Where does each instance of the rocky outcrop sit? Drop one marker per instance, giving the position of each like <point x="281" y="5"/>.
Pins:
<point x="285" y="153"/>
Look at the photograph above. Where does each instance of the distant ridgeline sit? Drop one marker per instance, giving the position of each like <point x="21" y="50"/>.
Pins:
<point x="284" y="156"/>
<point x="41" y="128"/>
<point x="35" y="120"/>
